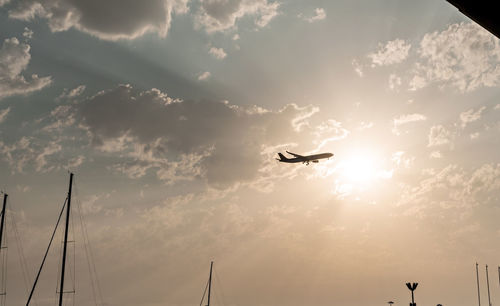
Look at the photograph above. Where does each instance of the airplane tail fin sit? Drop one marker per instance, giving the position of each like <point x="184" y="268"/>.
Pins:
<point x="282" y="157"/>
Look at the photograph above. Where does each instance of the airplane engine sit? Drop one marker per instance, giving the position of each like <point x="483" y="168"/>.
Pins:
<point x="315" y="161"/>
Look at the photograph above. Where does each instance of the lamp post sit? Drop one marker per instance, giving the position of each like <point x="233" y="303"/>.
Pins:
<point x="412" y="287"/>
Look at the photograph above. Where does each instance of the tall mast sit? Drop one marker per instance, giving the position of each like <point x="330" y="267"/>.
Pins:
<point x="477" y="279"/>
<point x="488" y="284"/>
<point x="210" y="282"/>
<point x="3" y="218"/>
<point x="3" y="293"/>
<point x="63" y="264"/>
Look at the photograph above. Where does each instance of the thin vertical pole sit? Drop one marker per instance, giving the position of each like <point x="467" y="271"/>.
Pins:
<point x="63" y="264"/>
<point x="499" y="275"/>
<point x="477" y="279"/>
<point x="488" y="284"/>
<point x="210" y="282"/>
<point x="3" y="217"/>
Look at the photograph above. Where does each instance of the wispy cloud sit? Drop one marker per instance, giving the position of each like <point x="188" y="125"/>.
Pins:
<point x="405" y="119"/>
<point x="3" y="114"/>
<point x="319" y="14"/>
<point x="471" y="116"/>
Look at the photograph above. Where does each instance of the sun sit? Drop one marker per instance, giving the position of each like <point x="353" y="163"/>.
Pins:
<point x="358" y="168"/>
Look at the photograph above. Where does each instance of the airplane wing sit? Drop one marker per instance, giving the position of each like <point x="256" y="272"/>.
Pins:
<point x="296" y="155"/>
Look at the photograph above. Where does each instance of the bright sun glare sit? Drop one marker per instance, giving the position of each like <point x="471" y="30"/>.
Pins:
<point x="358" y="168"/>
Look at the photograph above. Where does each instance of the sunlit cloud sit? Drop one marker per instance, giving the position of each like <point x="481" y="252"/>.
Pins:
<point x="393" y="52"/>
<point x="464" y="56"/>
<point x="204" y="75"/>
<point x="406" y="119"/>
<point x="358" y="68"/>
<point x="108" y="20"/>
<point x="218" y="16"/>
<point x="218" y="53"/>
<point x="14" y="59"/>
<point x="4" y="113"/>
<point x="439" y="135"/>
<point x="319" y="14"/>
<point x="470" y="116"/>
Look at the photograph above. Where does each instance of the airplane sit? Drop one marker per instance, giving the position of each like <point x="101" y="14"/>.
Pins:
<point x="303" y="159"/>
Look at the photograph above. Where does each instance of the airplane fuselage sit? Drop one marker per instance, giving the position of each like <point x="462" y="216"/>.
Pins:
<point x="303" y="159"/>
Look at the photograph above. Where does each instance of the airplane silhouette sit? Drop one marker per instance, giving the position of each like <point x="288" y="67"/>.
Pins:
<point x="303" y="159"/>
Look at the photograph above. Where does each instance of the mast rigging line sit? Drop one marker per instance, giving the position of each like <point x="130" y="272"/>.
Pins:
<point x="204" y="292"/>
<point x="46" y="253"/>
<point x="89" y="255"/>
<point x="20" y="250"/>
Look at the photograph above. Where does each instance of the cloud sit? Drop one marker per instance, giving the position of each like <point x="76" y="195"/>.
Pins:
<point x="453" y="192"/>
<point x="394" y="81"/>
<point x="204" y="75"/>
<point x="470" y="116"/>
<point x="14" y="59"/>
<point x="358" y="68"/>
<point x="319" y="14"/>
<point x="110" y="20"/>
<point x="222" y="15"/>
<point x="393" y="52"/>
<point x="30" y="151"/>
<point x="215" y="141"/>
<point x="4" y="113"/>
<point x="405" y="119"/>
<point x="464" y="56"/>
<point x="75" y="92"/>
<point x="218" y="53"/>
<point x="439" y="135"/>
<point x="27" y="34"/>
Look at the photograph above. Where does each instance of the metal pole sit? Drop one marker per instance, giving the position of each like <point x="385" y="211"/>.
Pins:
<point x="63" y="264"/>
<point x="3" y="217"/>
<point x="478" y="292"/>
<point x="488" y="285"/>
<point x="210" y="282"/>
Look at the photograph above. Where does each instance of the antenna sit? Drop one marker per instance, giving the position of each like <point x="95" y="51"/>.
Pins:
<point x="412" y="288"/>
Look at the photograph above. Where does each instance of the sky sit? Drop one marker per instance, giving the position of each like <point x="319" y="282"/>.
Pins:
<point x="171" y="114"/>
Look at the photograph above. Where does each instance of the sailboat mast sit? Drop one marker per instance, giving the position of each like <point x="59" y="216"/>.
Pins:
<point x="477" y="279"/>
<point x="63" y="264"/>
<point x="488" y="284"/>
<point x="3" y="217"/>
<point x="210" y="282"/>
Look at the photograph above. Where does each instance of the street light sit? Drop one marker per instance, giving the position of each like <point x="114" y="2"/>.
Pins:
<point x="412" y="288"/>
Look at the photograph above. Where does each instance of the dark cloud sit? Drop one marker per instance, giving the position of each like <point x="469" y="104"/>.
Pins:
<point x="110" y="19"/>
<point x="216" y="140"/>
